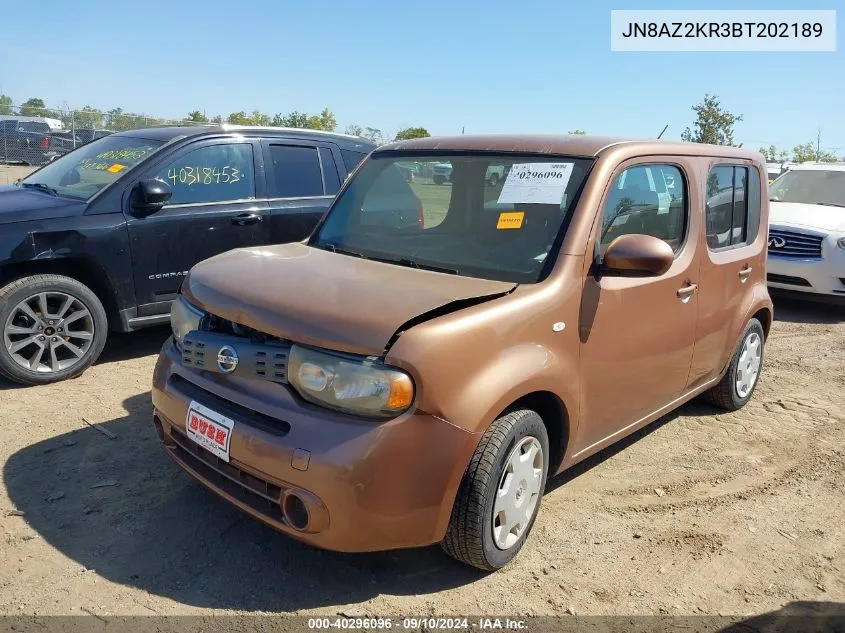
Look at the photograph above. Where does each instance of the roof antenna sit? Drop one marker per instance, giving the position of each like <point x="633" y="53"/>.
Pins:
<point x="665" y="127"/>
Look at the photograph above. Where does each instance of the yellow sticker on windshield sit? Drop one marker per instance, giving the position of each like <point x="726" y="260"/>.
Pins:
<point x="510" y="220"/>
<point x="116" y="168"/>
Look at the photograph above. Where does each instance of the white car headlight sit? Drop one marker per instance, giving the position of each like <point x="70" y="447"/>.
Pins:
<point x="358" y="386"/>
<point x="841" y="243"/>
<point x="184" y="318"/>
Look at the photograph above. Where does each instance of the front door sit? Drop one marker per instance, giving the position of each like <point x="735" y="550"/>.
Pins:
<point x="213" y="209"/>
<point x="638" y="333"/>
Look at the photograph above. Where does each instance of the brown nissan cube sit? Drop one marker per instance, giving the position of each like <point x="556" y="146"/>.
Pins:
<point x="443" y="343"/>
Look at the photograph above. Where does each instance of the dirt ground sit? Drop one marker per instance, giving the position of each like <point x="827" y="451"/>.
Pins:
<point x="10" y="173"/>
<point x="702" y="512"/>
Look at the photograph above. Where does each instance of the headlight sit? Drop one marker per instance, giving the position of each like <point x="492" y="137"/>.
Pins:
<point x="184" y="318"/>
<point x="362" y="387"/>
<point x="841" y="242"/>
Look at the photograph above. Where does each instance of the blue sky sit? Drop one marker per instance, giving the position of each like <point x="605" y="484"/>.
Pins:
<point x="488" y="66"/>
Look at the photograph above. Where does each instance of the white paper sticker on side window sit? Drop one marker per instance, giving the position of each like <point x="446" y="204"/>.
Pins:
<point x="536" y="183"/>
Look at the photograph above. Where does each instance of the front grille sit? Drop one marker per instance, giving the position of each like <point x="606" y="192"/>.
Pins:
<point x="788" y="279"/>
<point x="257" y="359"/>
<point x="794" y="244"/>
<point x="260" y="495"/>
<point x="238" y="413"/>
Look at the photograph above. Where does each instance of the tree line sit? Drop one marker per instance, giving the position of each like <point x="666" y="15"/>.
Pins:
<point x="118" y="120"/>
<point x="713" y="124"/>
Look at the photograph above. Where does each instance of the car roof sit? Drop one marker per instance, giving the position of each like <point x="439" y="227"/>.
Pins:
<point x="818" y="167"/>
<point x="568" y="145"/>
<point x="172" y="132"/>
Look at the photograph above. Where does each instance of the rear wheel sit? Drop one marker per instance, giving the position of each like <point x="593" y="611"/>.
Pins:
<point x="500" y="493"/>
<point x="53" y="328"/>
<point x="738" y="384"/>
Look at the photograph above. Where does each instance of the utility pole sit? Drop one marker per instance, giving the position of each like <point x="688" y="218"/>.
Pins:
<point x="818" y="143"/>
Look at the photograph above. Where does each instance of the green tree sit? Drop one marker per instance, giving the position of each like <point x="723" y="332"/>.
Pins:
<point x="5" y="104"/>
<point x="197" y="117"/>
<point x="769" y="153"/>
<point x="412" y="132"/>
<point x="712" y="125"/>
<point x="33" y="107"/>
<point x="578" y="132"/>
<point x="294" y="119"/>
<point x="239" y="118"/>
<point x="217" y="119"/>
<point x="354" y="130"/>
<point x="88" y="118"/>
<point x="324" y="121"/>
<point x="259" y="118"/>
<point x="118" y="120"/>
<point x="374" y="134"/>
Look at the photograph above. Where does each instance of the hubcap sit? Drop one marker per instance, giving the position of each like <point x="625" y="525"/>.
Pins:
<point x="518" y="492"/>
<point x="48" y="332"/>
<point x="748" y="367"/>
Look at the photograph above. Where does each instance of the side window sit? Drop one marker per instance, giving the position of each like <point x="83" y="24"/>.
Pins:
<point x="351" y="159"/>
<point x="330" y="175"/>
<point x="296" y="172"/>
<point x="640" y="202"/>
<point x="733" y="206"/>
<point x="214" y="173"/>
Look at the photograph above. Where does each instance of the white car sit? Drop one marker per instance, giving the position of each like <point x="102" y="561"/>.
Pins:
<point x="807" y="230"/>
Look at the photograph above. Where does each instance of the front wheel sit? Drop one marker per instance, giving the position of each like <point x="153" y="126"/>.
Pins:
<point x="738" y="383"/>
<point x="53" y="328"/>
<point x="500" y="493"/>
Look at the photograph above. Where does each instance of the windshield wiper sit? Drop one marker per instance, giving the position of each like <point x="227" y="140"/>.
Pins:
<point x="41" y="187"/>
<point x="334" y="248"/>
<point x="830" y="204"/>
<point x="410" y="263"/>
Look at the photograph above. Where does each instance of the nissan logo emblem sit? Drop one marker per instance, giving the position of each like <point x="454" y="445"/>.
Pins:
<point x="227" y="359"/>
<point x="776" y="241"/>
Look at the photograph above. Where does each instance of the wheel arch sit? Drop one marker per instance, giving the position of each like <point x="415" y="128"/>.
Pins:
<point x="82" y="270"/>
<point x="555" y="416"/>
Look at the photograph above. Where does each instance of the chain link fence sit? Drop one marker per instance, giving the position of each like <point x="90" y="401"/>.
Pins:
<point x="35" y="136"/>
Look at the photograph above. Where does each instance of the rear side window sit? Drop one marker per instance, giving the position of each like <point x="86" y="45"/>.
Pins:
<point x="296" y="172"/>
<point x="641" y="202"/>
<point x="351" y="158"/>
<point x="733" y="206"/>
<point x="331" y="179"/>
<point x="214" y="173"/>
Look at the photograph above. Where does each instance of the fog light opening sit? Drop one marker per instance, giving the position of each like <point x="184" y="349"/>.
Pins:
<point x="295" y="511"/>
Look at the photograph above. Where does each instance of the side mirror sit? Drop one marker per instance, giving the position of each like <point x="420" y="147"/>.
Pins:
<point x="149" y="196"/>
<point x="636" y="254"/>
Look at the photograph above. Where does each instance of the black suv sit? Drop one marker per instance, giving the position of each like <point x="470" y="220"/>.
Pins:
<point x="101" y="237"/>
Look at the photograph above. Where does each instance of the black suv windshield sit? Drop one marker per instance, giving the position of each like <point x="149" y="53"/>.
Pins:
<point x="83" y="172"/>
<point x="811" y="186"/>
<point x="485" y="215"/>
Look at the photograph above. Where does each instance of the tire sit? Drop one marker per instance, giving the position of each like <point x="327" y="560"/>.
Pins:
<point x="71" y="342"/>
<point x="470" y="536"/>
<point x="494" y="180"/>
<point x="438" y="180"/>
<point x="726" y="394"/>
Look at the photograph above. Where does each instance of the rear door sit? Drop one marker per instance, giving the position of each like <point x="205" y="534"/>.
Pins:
<point x="215" y="207"/>
<point x="302" y="180"/>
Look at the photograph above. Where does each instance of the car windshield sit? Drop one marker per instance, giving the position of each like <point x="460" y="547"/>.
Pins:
<point x="811" y="186"/>
<point x="83" y="172"/>
<point x="484" y="215"/>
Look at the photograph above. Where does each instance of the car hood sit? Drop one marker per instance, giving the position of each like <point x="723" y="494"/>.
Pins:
<point x="19" y="205"/>
<point x="326" y="299"/>
<point x="817" y="216"/>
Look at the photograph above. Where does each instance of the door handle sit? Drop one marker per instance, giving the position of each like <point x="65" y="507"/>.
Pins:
<point x="245" y="219"/>
<point x="687" y="291"/>
<point x="744" y="273"/>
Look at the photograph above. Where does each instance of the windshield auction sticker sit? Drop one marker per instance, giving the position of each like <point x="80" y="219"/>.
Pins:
<point x="536" y="183"/>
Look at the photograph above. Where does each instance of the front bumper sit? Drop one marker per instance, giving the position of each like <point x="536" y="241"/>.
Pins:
<point x="366" y="485"/>
<point x="824" y="276"/>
